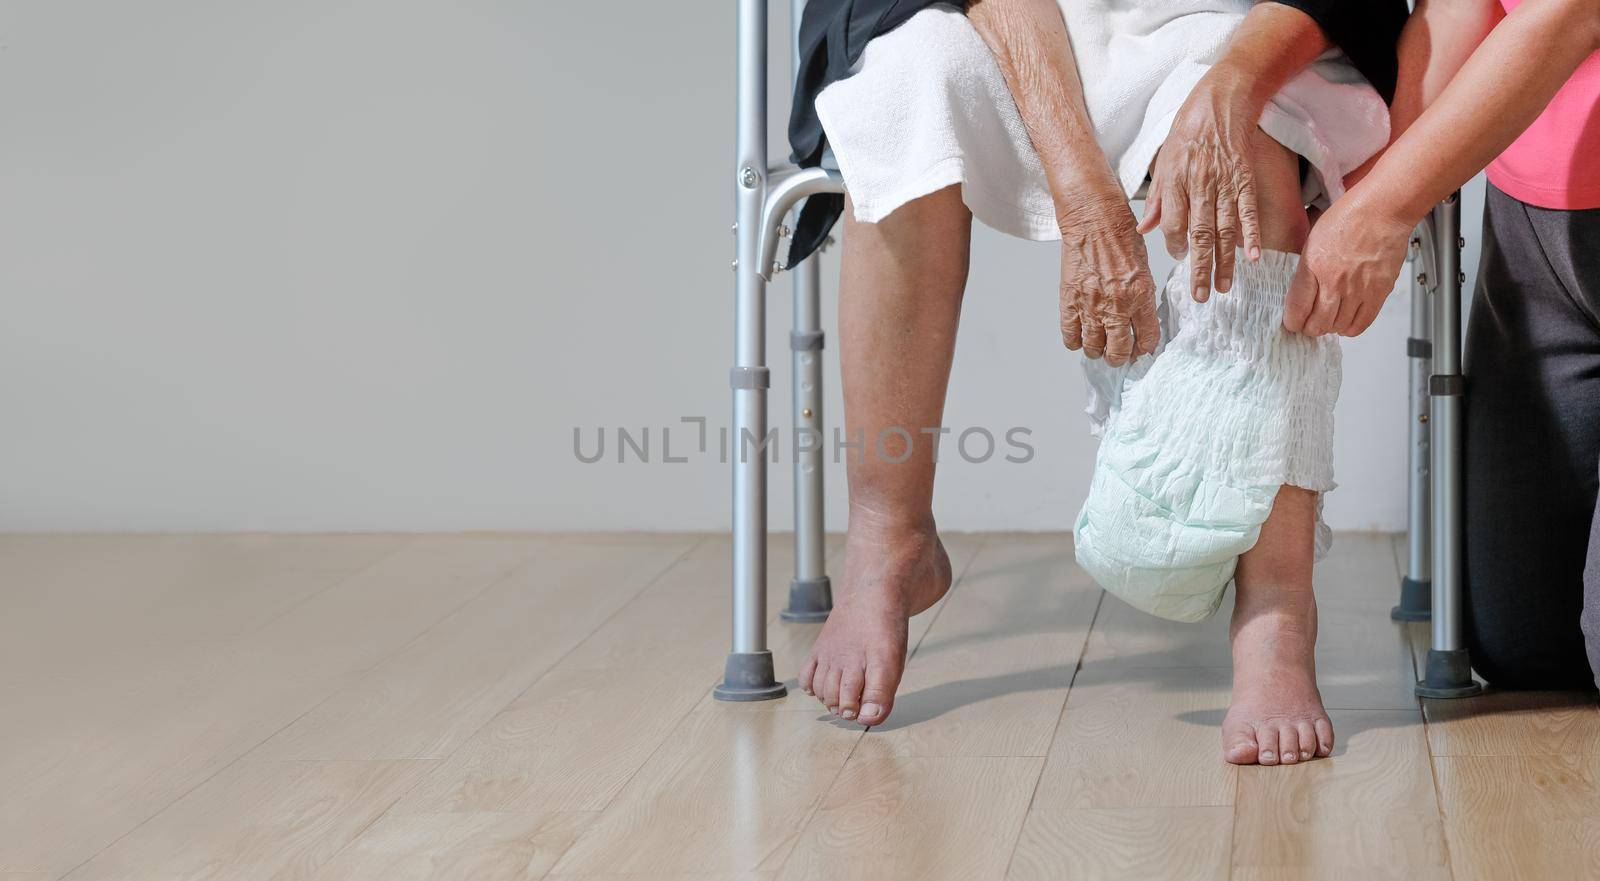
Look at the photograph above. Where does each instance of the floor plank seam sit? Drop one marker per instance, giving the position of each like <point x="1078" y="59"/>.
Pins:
<point x="811" y="811"/>
<point x="1233" y="818"/>
<point x="1438" y="802"/>
<point x="332" y="586"/>
<point x="376" y="819"/>
<point x="1438" y="792"/>
<point x="1083" y="649"/>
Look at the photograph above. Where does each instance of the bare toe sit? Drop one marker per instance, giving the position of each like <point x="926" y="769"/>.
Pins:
<point x="1307" y="738"/>
<point x="1288" y="745"/>
<point x="850" y="691"/>
<point x="819" y="675"/>
<point x="1324" y="729"/>
<point x="1267" y="745"/>
<point x="1238" y="743"/>
<point x="806" y="672"/>
<point x="878" y="697"/>
<point x="828" y="693"/>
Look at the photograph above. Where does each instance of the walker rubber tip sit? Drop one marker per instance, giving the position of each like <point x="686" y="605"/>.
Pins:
<point x="1448" y="676"/>
<point x="1416" y="601"/>
<point x="747" y="676"/>
<point x="810" y="599"/>
<point x="1447" y="692"/>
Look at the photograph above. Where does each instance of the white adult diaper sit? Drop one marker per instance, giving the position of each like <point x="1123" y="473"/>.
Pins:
<point x="1190" y="461"/>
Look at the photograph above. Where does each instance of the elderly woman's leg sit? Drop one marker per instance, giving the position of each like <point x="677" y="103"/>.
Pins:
<point x="1276" y="714"/>
<point x="899" y="302"/>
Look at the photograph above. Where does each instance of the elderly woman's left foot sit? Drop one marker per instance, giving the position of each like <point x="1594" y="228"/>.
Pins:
<point x="1276" y="716"/>
<point x="890" y="574"/>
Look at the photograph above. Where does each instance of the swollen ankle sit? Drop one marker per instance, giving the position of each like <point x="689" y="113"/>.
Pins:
<point x="1284" y="601"/>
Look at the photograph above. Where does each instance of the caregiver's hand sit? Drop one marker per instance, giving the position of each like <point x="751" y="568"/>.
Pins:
<point x="1201" y="191"/>
<point x="1108" y="300"/>
<point x="1349" y="266"/>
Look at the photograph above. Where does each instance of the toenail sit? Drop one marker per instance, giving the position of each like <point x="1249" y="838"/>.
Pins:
<point x="1305" y="754"/>
<point x="1268" y="755"/>
<point x="848" y="714"/>
<point x="870" y="709"/>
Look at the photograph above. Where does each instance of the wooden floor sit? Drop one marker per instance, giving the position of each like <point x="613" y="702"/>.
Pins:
<point x="521" y="707"/>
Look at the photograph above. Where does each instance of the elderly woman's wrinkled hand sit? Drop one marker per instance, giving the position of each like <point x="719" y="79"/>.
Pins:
<point x="1108" y="300"/>
<point x="1202" y="193"/>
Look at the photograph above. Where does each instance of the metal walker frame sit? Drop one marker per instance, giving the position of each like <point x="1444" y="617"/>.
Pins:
<point x="764" y="196"/>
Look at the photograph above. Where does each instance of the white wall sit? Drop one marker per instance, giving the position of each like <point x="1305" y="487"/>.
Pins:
<point x="365" y="264"/>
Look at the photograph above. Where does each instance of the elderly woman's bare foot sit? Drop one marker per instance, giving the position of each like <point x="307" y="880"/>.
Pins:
<point x="1276" y="716"/>
<point x="890" y="574"/>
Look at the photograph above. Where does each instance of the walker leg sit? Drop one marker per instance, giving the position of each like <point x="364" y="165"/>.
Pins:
<point x="1448" y="672"/>
<point x="810" y="593"/>
<point x="748" y="674"/>
<point x="1416" y="585"/>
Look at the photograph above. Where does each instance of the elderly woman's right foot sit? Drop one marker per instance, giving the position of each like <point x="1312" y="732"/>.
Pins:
<point x="1276" y="715"/>
<point x="890" y="574"/>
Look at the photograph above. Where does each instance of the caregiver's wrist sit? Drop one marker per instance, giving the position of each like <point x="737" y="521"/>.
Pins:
<point x="1385" y="207"/>
<point x="1239" y="84"/>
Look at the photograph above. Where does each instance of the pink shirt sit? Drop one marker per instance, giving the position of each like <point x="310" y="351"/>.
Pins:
<point x="1556" y="162"/>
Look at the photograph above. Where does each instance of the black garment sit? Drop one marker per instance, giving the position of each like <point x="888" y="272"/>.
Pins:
<point x="834" y="32"/>
<point x="1533" y="447"/>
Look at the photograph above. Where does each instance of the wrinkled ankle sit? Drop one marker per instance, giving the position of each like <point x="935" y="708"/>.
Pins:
<point x="880" y="521"/>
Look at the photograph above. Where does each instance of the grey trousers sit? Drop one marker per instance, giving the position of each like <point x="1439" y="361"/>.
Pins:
<point x="1533" y="449"/>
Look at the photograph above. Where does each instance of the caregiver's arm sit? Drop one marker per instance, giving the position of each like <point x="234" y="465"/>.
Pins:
<point x="1439" y="37"/>
<point x="1107" y="295"/>
<point x="1202" y="192"/>
<point x="1354" y="253"/>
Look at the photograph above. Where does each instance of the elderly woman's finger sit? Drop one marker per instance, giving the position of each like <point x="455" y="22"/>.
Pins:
<point x="1301" y="298"/>
<point x="1146" y="327"/>
<point x="1094" y="336"/>
<point x="1202" y="241"/>
<point x="1119" y="341"/>
<point x="1152" y="209"/>
<point x="1324" y="313"/>
<point x="1175" y="218"/>
<point x="1227" y="240"/>
<point x="1071" y="327"/>
<point x="1249" y="215"/>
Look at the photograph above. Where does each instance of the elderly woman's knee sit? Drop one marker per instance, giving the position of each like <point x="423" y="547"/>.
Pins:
<point x="1284" y="223"/>
<point x="931" y="232"/>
